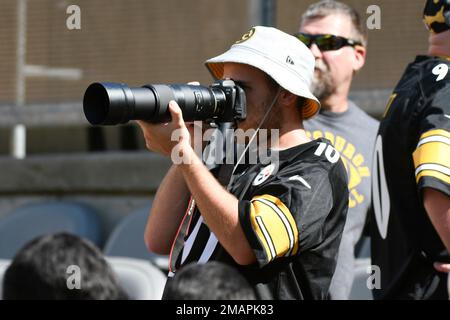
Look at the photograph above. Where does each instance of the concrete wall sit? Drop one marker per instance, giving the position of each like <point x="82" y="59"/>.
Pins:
<point x="136" y="42"/>
<point x="113" y="183"/>
<point x="144" y="41"/>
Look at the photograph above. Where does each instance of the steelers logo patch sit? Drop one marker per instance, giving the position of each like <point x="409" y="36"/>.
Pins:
<point x="264" y="174"/>
<point x="247" y="35"/>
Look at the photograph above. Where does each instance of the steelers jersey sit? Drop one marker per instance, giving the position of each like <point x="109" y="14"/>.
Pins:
<point x="292" y="212"/>
<point x="412" y="152"/>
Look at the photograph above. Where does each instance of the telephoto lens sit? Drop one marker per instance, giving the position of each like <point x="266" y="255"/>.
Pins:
<point x="115" y="103"/>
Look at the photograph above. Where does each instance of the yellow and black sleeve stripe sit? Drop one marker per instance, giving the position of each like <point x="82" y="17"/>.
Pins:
<point x="274" y="226"/>
<point x="432" y="156"/>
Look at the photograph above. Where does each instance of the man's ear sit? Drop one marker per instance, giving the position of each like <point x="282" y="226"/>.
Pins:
<point x="287" y="99"/>
<point x="360" y="58"/>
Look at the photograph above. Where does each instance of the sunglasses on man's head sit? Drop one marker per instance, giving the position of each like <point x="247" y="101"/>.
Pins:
<point x="326" y="42"/>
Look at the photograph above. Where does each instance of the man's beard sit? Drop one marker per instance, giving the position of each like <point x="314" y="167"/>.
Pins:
<point x="322" y="84"/>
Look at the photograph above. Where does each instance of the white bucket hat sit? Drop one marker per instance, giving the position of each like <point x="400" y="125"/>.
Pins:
<point x="282" y="56"/>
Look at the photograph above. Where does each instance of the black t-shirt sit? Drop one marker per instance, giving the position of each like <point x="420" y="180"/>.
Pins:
<point x="412" y="152"/>
<point x="292" y="212"/>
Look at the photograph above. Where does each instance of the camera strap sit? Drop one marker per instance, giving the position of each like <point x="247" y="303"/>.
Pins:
<point x="253" y="137"/>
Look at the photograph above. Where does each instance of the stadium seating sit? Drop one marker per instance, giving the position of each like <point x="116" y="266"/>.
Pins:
<point x="3" y="265"/>
<point x="127" y="239"/>
<point x="139" y="278"/>
<point x="33" y="220"/>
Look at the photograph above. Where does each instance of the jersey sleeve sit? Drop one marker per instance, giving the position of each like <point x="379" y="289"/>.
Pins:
<point x="285" y="215"/>
<point x="432" y="154"/>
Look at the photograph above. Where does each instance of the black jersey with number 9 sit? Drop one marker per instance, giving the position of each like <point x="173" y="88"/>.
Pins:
<point x="412" y="152"/>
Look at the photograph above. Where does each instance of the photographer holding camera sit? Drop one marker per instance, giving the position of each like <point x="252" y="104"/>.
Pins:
<point x="279" y="224"/>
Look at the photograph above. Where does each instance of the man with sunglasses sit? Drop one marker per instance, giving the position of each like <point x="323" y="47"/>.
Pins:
<point x="337" y="38"/>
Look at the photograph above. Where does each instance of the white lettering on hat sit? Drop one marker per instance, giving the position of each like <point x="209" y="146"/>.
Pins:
<point x="289" y="60"/>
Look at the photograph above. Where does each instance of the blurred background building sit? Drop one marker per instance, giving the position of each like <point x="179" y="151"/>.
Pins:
<point x="45" y="68"/>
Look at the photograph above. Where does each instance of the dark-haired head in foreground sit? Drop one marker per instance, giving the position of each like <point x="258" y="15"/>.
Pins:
<point x="40" y="270"/>
<point x="210" y="281"/>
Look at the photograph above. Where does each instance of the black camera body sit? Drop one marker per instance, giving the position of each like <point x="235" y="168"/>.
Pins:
<point x="115" y="103"/>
